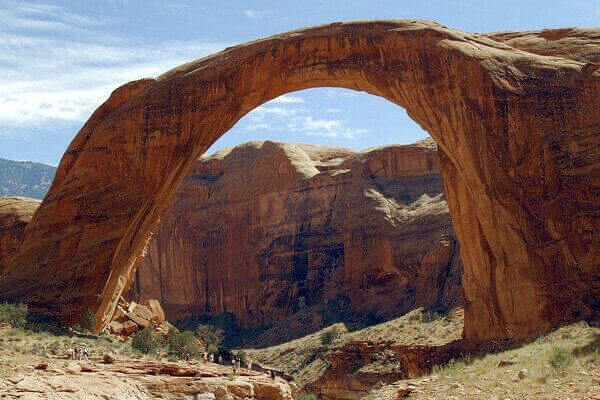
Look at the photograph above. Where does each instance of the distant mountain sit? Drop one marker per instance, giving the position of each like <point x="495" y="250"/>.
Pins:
<point x="25" y="178"/>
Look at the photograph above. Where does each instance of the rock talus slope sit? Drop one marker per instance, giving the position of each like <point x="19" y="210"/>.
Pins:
<point x="515" y="116"/>
<point x="265" y="229"/>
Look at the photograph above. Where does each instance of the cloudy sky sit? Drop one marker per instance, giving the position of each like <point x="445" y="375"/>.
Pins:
<point x="60" y="59"/>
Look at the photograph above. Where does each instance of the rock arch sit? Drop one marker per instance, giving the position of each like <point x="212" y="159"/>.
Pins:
<point x="515" y="116"/>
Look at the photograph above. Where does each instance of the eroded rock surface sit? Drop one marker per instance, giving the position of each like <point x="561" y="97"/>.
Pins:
<point x="265" y="229"/>
<point x="140" y="380"/>
<point x="15" y="214"/>
<point x="515" y="117"/>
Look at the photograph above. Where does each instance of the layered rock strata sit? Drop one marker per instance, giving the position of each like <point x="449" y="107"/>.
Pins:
<point x="15" y="214"/>
<point x="266" y="229"/>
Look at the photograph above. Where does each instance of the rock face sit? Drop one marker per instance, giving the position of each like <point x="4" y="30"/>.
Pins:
<point x="515" y="116"/>
<point x="265" y="229"/>
<point x="15" y="214"/>
<point x="356" y="367"/>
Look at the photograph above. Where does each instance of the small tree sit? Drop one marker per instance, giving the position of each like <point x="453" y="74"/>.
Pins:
<point x="145" y="341"/>
<point x="13" y="314"/>
<point x="183" y="345"/>
<point x="329" y="336"/>
<point x="210" y="336"/>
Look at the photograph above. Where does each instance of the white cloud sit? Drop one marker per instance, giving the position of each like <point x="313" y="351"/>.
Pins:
<point x="46" y="80"/>
<point x="299" y="121"/>
<point x="18" y="16"/>
<point x="333" y="110"/>
<point x="257" y="14"/>
<point x="332" y="128"/>
<point x="287" y="99"/>
<point x="264" y="14"/>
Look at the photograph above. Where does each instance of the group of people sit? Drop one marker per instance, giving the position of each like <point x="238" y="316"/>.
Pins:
<point x="78" y="353"/>
<point x="210" y="358"/>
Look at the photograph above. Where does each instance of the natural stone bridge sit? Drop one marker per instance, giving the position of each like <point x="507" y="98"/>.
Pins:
<point x="516" y="117"/>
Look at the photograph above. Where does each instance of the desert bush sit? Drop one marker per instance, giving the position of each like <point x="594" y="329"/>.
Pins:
<point x="145" y="341"/>
<point x="307" y="397"/>
<point x="560" y="359"/>
<point x="329" y="336"/>
<point x="13" y="314"/>
<point x="429" y="315"/>
<point x="86" y="324"/>
<point x="183" y="345"/>
<point x="210" y="336"/>
<point x="451" y="367"/>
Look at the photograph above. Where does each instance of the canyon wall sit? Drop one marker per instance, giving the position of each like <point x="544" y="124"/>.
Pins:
<point x="15" y="214"/>
<point x="265" y="229"/>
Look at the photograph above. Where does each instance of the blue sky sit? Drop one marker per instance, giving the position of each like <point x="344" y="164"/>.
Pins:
<point x="60" y="59"/>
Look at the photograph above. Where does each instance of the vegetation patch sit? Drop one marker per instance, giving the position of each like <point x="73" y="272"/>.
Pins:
<point x="183" y="345"/>
<point x="14" y="315"/>
<point x="560" y="359"/>
<point x="145" y="341"/>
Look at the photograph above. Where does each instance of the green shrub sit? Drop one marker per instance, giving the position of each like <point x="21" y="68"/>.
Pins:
<point x="183" y="345"/>
<point x="329" y="336"/>
<point x="13" y="314"/>
<point x="210" y="336"/>
<point x="560" y="358"/>
<point x="145" y="341"/>
<point x="451" y="367"/>
<point x="307" y="397"/>
<point x="87" y="322"/>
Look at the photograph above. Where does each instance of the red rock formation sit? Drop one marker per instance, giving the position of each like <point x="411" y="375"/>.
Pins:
<point x="356" y="367"/>
<point x="515" y="117"/>
<point x="15" y="214"/>
<point x="267" y="228"/>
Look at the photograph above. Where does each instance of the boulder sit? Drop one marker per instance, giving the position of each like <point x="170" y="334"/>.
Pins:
<point x="140" y="315"/>
<point x="130" y="317"/>
<point x="156" y="311"/>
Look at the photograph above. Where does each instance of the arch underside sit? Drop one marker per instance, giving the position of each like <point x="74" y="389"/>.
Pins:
<point x="515" y="116"/>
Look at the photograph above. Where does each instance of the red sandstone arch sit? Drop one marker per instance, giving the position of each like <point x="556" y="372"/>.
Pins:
<point x="515" y="116"/>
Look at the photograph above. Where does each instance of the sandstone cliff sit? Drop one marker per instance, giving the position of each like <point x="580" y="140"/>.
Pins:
<point x="15" y="214"/>
<point x="265" y="229"/>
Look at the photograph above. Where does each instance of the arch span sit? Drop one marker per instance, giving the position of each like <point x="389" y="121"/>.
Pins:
<point x="515" y="116"/>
